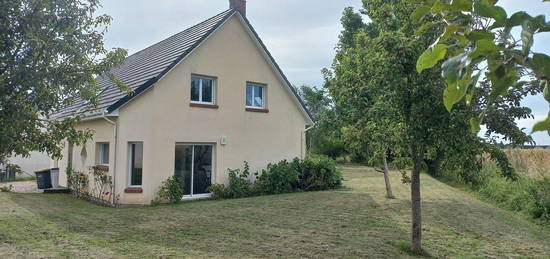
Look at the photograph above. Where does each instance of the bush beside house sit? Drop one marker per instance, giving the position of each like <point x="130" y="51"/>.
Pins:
<point x="314" y="173"/>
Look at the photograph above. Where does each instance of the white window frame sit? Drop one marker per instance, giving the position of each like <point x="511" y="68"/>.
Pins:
<point x="200" y="89"/>
<point x="101" y="153"/>
<point x="130" y="154"/>
<point x="254" y="85"/>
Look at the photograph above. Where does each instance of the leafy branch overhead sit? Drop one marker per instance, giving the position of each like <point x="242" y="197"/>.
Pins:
<point x="52" y="52"/>
<point x="476" y="41"/>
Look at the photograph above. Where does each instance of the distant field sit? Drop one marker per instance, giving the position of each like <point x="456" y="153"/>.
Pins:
<point x="356" y="221"/>
<point x="531" y="162"/>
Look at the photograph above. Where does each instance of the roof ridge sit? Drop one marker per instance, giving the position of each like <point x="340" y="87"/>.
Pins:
<point x="179" y="33"/>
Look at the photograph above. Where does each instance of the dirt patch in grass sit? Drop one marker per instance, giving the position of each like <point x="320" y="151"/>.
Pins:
<point x="356" y="221"/>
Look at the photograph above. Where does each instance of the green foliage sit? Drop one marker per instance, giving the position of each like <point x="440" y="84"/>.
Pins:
<point x="278" y="178"/>
<point x="52" y="53"/>
<point x="317" y="173"/>
<point x="430" y="57"/>
<point x="102" y="190"/>
<point x="171" y="190"/>
<point x="14" y="168"/>
<point x="478" y="33"/>
<point x="526" y="195"/>
<point x="78" y="183"/>
<point x="7" y="188"/>
<point x="239" y="186"/>
<point x="325" y="137"/>
<point x="314" y="173"/>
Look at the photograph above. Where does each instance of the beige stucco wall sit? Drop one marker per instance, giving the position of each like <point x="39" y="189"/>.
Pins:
<point x="162" y="117"/>
<point x="86" y="156"/>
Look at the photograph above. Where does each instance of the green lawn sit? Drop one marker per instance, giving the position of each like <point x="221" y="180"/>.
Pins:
<point x="356" y="221"/>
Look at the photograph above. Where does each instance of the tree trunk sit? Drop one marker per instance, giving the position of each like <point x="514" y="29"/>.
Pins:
<point x="389" y="192"/>
<point x="416" y="242"/>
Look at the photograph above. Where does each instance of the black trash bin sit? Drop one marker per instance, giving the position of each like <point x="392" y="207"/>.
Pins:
<point x="43" y="179"/>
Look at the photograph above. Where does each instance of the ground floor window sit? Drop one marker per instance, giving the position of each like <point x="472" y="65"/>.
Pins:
<point x="193" y="165"/>
<point x="136" y="164"/>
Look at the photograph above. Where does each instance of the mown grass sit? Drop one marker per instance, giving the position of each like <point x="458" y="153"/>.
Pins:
<point x="356" y="221"/>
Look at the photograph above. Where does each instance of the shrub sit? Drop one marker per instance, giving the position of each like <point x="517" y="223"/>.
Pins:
<point x="540" y="207"/>
<point x="8" y="188"/>
<point x="278" y="178"/>
<point x="313" y="173"/>
<point x="317" y="173"/>
<point x="526" y="195"/>
<point x="240" y="185"/>
<point x="172" y="190"/>
<point x="219" y="191"/>
<point x="78" y="183"/>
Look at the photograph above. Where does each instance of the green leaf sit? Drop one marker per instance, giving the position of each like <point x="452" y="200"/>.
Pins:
<point x="480" y="35"/>
<point x="461" y="5"/>
<point x="542" y="125"/>
<point x="454" y="68"/>
<point x="439" y="6"/>
<point x="542" y="63"/>
<point x="420" y="12"/>
<point x="454" y="93"/>
<point x="468" y="98"/>
<point x="527" y="36"/>
<point x="474" y="125"/>
<point x="517" y="19"/>
<point x="485" y="9"/>
<point x="430" y="57"/>
<point x="449" y="30"/>
<point x="546" y="91"/>
<point x="484" y="47"/>
<point x="501" y="79"/>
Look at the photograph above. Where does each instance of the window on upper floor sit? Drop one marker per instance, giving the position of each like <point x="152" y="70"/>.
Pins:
<point x="203" y="90"/>
<point x="255" y="96"/>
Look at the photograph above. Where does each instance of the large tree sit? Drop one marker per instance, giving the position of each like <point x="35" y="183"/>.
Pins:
<point x="51" y="53"/>
<point x="386" y="106"/>
<point x="374" y="80"/>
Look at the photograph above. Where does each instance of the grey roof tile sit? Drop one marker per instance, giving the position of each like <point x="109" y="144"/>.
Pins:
<point x="144" y="68"/>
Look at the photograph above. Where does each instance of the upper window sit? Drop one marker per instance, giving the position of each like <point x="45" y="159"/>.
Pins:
<point x="104" y="154"/>
<point x="203" y="90"/>
<point x="136" y="163"/>
<point x="255" y="96"/>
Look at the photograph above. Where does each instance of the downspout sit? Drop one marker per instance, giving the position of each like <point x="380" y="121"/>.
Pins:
<point x="115" y="125"/>
<point x="302" y="143"/>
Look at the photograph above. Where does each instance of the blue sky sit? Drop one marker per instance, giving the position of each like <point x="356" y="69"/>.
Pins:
<point x="301" y="34"/>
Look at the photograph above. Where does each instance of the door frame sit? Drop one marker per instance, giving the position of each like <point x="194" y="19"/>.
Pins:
<point x="211" y="144"/>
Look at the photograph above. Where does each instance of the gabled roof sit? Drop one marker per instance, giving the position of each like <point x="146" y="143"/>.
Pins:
<point x="143" y="69"/>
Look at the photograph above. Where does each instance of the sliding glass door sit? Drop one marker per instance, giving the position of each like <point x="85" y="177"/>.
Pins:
<point x="193" y="165"/>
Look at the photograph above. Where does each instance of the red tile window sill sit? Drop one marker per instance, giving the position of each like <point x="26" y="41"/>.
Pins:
<point x="257" y="110"/>
<point x="202" y="105"/>
<point x="133" y="190"/>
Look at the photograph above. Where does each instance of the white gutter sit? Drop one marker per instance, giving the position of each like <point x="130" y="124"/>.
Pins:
<point x="115" y="124"/>
<point x="302" y="143"/>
